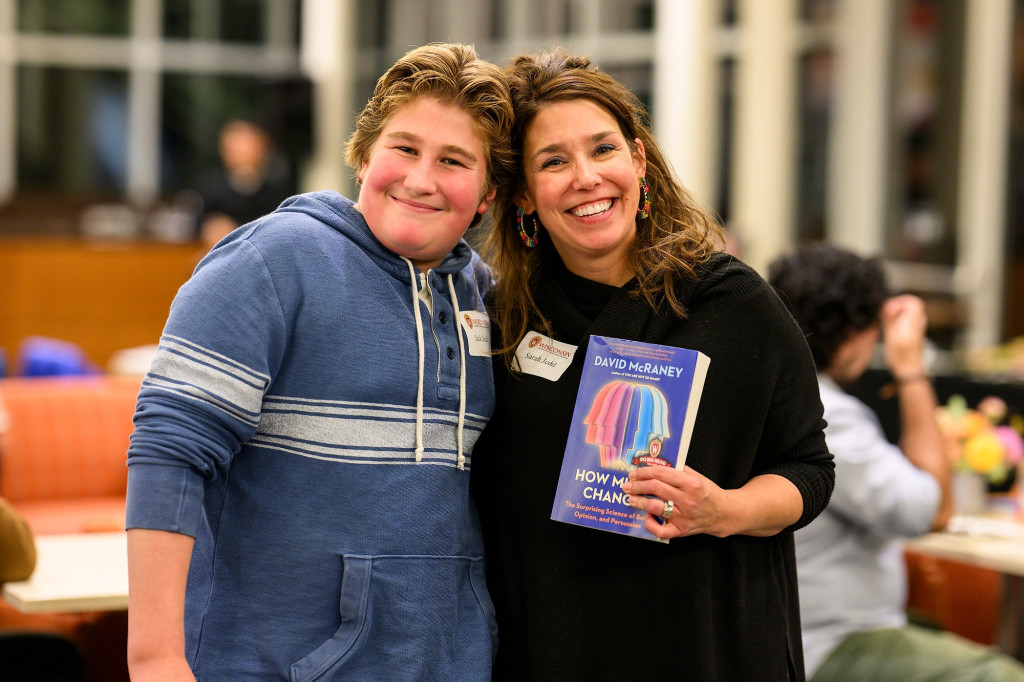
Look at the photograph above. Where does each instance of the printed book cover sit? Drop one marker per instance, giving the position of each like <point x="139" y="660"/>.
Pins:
<point x="636" y="406"/>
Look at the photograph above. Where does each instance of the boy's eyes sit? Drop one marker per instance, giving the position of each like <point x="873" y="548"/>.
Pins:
<point x="448" y="161"/>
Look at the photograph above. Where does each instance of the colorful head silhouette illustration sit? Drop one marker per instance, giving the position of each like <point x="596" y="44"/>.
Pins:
<point x="627" y="421"/>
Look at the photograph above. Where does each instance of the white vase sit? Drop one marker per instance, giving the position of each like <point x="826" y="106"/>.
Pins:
<point x="969" y="492"/>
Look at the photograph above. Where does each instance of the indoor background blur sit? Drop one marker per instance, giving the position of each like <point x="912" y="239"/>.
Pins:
<point x="886" y="126"/>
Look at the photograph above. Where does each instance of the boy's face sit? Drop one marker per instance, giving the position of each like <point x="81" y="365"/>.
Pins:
<point x="423" y="182"/>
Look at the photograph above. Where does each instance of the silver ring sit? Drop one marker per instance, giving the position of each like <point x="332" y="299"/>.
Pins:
<point x="667" y="512"/>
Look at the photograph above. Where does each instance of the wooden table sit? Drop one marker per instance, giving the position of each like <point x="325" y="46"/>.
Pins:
<point x="992" y="543"/>
<point x="78" y="572"/>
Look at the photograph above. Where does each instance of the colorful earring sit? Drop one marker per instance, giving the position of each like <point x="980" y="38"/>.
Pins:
<point x="530" y="241"/>
<point x="645" y="210"/>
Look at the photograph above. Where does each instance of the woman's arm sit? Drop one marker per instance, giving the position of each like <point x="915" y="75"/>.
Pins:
<point x="764" y="505"/>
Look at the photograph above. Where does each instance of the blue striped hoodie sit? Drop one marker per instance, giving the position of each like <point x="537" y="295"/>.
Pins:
<point x="309" y="419"/>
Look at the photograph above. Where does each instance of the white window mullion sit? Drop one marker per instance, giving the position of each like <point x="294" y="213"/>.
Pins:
<point x="684" y="98"/>
<point x="988" y="57"/>
<point x="329" y="58"/>
<point x="8" y="101"/>
<point x="765" y="158"/>
<point x="143" y="162"/>
<point x="859" y="138"/>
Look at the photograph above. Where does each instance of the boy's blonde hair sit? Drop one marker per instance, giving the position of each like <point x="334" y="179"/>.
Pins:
<point x="452" y="74"/>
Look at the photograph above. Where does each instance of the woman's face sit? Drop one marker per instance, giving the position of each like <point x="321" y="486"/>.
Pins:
<point x="582" y="180"/>
<point x="424" y="181"/>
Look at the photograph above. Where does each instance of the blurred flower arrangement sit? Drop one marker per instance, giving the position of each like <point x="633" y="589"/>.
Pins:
<point x="982" y="439"/>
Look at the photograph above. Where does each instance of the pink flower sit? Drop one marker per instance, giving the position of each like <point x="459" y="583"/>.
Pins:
<point x="1012" y="442"/>
<point x="994" y="408"/>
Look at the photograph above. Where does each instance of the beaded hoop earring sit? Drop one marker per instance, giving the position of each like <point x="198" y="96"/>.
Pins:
<point x="645" y="209"/>
<point x="530" y="241"/>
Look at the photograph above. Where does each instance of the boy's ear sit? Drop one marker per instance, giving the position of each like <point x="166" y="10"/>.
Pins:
<point x="485" y="203"/>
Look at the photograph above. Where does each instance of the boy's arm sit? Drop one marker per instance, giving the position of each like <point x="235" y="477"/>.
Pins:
<point x="157" y="571"/>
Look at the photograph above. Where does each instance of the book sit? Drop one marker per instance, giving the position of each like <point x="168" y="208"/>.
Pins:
<point x="636" y="406"/>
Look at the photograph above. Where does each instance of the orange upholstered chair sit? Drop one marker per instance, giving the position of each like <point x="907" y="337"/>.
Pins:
<point x="63" y="461"/>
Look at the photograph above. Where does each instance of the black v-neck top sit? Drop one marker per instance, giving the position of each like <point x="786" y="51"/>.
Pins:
<point x="578" y="603"/>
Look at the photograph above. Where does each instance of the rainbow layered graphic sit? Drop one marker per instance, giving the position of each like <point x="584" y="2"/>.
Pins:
<point x="627" y="421"/>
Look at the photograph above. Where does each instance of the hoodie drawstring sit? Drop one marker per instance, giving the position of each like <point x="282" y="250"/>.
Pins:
<point x="462" y="369"/>
<point x="419" y="340"/>
<point x="461" y="458"/>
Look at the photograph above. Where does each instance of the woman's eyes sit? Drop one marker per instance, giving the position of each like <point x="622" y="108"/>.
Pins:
<point x="599" y="150"/>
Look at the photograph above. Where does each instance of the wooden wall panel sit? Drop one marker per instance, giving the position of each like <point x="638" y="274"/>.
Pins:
<point x="103" y="296"/>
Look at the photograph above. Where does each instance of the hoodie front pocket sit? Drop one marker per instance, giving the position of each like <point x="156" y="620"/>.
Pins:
<point x="355" y="590"/>
<point x="407" y="618"/>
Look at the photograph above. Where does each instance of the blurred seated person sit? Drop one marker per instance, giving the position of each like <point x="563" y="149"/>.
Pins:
<point x="17" y="547"/>
<point x="851" y="572"/>
<point x="245" y="186"/>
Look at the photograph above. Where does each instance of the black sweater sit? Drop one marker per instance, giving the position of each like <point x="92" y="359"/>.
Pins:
<point x="575" y="603"/>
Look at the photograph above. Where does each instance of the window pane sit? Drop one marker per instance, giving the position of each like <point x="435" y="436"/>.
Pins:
<point x="816" y="74"/>
<point x="238" y="21"/>
<point x="634" y="15"/>
<point x="817" y="12"/>
<point x="373" y="18"/>
<point x="196" y="107"/>
<point x="105" y="17"/>
<point x="636" y="77"/>
<point x="549" y="18"/>
<point x="71" y="130"/>
<point x="1014" y="314"/>
<point x="729" y="12"/>
<point x="926" y="123"/>
<point x="726" y="108"/>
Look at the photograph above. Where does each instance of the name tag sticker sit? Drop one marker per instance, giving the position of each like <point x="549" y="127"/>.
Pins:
<point x="542" y="356"/>
<point x="478" y="332"/>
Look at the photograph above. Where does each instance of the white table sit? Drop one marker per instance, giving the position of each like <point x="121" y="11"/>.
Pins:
<point x="79" y="572"/>
<point x="995" y="544"/>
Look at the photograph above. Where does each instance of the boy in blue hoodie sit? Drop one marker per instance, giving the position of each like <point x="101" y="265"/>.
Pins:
<point x="298" y="495"/>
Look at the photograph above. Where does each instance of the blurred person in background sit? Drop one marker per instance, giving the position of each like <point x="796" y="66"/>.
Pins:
<point x="850" y="559"/>
<point x="17" y="546"/>
<point x="246" y="185"/>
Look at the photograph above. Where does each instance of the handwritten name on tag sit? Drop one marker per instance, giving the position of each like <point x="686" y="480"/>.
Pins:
<point x="478" y="332"/>
<point x="542" y="356"/>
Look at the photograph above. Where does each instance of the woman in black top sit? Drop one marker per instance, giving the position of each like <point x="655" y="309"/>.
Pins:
<point x="595" y="237"/>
